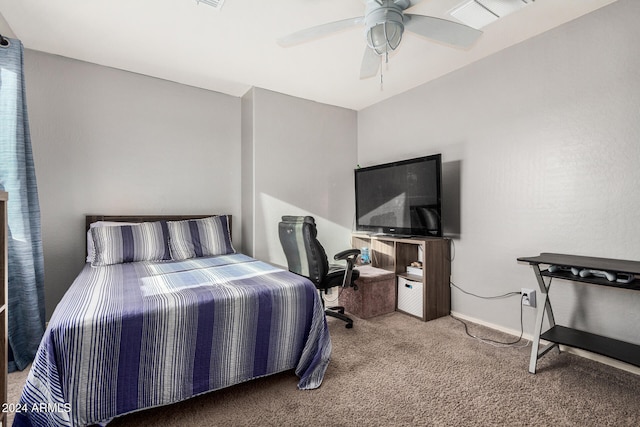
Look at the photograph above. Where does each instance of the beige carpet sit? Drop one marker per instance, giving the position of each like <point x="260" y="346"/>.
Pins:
<point x="394" y="370"/>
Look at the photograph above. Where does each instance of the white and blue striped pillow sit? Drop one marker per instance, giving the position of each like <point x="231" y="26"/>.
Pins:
<point x="200" y="237"/>
<point x="147" y="241"/>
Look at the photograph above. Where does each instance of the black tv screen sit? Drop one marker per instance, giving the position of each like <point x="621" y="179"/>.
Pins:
<point x="400" y="198"/>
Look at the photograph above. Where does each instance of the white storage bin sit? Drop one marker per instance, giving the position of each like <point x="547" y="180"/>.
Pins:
<point x="410" y="297"/>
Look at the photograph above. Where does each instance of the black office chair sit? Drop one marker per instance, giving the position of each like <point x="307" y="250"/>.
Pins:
<point x="306" y="257"/>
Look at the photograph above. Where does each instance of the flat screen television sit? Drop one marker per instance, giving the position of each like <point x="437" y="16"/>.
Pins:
<point x="400" y="198"/>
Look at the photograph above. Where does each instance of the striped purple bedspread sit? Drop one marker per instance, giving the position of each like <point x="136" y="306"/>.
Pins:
<point x="132" y="336"/>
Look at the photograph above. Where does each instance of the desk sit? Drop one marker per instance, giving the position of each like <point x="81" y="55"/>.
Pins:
<point x="556" y="335"/>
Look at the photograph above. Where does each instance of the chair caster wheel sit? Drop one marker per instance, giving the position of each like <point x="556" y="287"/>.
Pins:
<point x="349" y="325"/>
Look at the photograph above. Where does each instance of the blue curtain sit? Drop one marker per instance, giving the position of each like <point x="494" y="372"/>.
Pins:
<point x="18" y="178"/>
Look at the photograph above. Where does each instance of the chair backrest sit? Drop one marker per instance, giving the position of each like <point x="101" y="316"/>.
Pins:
<point x="305" y="255"/>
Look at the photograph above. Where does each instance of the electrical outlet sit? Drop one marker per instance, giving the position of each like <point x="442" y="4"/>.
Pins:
<point x="528" y="297"/>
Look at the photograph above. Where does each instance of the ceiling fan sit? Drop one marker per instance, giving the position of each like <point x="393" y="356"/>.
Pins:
<point x="385" y="22"/>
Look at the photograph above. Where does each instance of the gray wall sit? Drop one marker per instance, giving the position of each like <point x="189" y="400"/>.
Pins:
<point x="303" y="156"/>
<point x="247" y="168"/>
<point x="5" y="30"/>
<point x="541" y="145"/>
<point x="112" y="142"/>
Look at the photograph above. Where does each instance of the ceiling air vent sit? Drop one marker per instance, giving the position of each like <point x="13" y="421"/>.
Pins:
<point x="479" y="13"/>
<point x="216" y="4"/>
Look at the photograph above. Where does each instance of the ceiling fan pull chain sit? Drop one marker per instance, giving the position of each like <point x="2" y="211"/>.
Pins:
<point x="382" y="64"/>
<point x="381" y="75"/>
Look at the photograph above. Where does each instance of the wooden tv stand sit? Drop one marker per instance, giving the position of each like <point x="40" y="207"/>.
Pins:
<point x="432" y="292"/>
<point x="556" y="335"/>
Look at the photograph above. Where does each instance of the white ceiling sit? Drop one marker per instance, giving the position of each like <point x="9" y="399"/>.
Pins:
<point x="233" y="49"/>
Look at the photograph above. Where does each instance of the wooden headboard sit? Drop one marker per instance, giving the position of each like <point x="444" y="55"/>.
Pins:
<point x="145" y="218"/>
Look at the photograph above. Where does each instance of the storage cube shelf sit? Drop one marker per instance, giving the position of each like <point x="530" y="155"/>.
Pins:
<point x="433" y="296"/>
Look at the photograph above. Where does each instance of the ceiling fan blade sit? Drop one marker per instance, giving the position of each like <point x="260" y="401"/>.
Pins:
<point x="370" y="63"/>
<point x="441" y="30"/>
<point x="319" y="31"/>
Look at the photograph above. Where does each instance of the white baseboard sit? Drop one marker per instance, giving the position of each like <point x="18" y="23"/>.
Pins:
<point x="513" y="332"/>
<point x="582" y="353"/>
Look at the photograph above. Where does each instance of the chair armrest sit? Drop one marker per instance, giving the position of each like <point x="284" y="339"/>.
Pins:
<point x="350" y="255"/>
<point x="346" y="254"/>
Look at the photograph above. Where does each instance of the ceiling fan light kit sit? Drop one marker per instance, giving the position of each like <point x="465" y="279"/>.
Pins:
<point x="384" y="25"/>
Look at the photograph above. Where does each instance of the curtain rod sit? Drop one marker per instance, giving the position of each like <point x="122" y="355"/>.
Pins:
<point x="3" y="42"/>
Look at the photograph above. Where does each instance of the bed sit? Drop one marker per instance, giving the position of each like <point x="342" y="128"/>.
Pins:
<point x="165" y="309"/>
